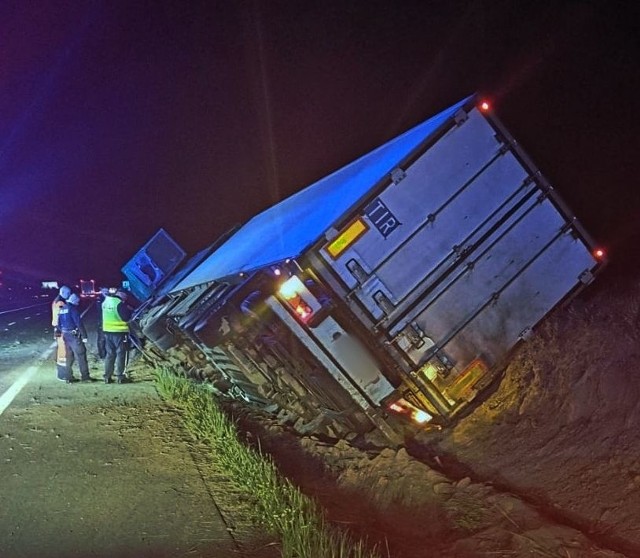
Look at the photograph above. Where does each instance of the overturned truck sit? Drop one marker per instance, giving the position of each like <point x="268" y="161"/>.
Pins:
<point x="388" y="293"/>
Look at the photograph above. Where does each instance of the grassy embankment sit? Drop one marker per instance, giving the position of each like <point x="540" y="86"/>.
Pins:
<point x="295" y="519"/>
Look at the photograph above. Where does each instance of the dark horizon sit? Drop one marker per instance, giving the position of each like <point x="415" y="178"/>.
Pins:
<point x="121" y="119"/>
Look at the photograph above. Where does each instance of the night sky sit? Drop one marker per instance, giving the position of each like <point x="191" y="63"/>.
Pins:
<point x="118" y="118"/>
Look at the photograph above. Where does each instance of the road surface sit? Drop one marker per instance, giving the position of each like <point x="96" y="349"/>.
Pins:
<point x="95" y="470"/>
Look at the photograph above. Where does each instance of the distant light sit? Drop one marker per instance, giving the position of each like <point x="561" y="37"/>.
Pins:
<point x="277" y="271"/>
<point x="485" y="106"/>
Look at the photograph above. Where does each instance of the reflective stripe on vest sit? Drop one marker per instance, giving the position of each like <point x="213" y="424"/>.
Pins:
<point x="111" y="321"/>
<point x="55" y="310"/>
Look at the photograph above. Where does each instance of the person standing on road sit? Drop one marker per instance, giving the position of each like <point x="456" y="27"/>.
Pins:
<point x="60" y="353"/>
<point x="58" y="302"/>
<point x="115" y="315"/>
<point x="74" y="335"/>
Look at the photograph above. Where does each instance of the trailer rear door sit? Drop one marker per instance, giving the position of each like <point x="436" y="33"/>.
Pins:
<point x="466" y="248"/>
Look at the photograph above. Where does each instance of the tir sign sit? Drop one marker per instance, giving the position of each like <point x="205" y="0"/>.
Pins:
<point x="381" y="217"/>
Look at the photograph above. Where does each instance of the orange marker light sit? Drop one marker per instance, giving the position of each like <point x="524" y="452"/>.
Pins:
<point x="303" y="310"/>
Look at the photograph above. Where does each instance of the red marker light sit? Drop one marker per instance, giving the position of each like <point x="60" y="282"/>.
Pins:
<point x="598" y="253"/>
<point x="484" y="105"/>
<point x="395" y="407"/>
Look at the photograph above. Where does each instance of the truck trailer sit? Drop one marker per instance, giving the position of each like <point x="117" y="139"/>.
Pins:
<point x="390" y="292"/>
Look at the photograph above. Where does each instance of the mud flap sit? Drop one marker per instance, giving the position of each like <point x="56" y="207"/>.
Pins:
<point x="61" y="359"/>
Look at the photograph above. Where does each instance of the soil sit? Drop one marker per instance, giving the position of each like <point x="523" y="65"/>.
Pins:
<point x="546" y="465"/>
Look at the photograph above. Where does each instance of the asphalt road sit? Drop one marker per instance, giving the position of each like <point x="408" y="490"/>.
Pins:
<point x="95" y="470"/>
<point x="24" y="319"/>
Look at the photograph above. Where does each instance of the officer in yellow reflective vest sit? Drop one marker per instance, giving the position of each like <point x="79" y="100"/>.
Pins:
<point x="115" y="315"/>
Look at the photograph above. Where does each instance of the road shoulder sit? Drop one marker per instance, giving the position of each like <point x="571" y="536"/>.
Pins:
<point x="90" y="469"/>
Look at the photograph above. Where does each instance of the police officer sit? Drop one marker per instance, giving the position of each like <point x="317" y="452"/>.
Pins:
<point x="60" y="353"/>
<point x="115" y="315"/>
<point x="74" y="335"/>
<point x="63" y="294"/>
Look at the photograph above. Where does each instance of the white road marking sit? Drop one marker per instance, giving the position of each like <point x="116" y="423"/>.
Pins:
<point x="22" y="308"/>
<point x="8" y="396"/>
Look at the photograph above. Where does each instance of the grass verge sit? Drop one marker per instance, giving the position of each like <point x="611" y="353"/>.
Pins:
<point x="291" y="516"/>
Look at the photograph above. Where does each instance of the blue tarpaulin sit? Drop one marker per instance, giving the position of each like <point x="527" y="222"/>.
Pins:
<point x="290" y="227"/>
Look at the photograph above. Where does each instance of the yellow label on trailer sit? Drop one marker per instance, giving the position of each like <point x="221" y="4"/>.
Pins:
<point x="346" y="238"/>
<point x="462" y="387"/>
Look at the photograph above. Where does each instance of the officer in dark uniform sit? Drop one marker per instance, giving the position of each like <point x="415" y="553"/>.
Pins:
<point x="60" y="352"/>
<point x="74" y="335"/>
<point x="59" y="302"/>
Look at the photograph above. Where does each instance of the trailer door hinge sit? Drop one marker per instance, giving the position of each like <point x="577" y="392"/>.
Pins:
<point x="504" y="148"/>
<point x="330" y="234"/>
<point x="398" y="175"/>
<point x="525" y="334"/>
<point x="358" y="272"/>
<point x="586" y="277"/>
<point x="460" y="117"/>
<point x="383" y="302"/>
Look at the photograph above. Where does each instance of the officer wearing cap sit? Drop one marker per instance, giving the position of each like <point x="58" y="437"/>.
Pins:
<point x="115" y="315"/>
<point x="74" y="335"/>
<point x="63" y="294"/>
<point x="60" y="353"/>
